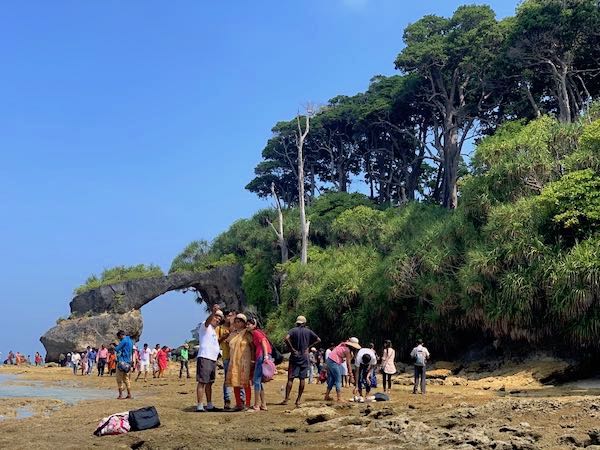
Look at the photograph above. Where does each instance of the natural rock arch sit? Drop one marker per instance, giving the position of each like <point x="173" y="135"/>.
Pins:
<point x="97" y="314"/>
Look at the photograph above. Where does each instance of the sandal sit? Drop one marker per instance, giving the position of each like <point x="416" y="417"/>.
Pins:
<point x="263" y="408"/>
<point x="253" y="409"/>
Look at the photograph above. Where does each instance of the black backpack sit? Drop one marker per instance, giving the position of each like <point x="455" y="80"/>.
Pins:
<point x="143" y="418"/>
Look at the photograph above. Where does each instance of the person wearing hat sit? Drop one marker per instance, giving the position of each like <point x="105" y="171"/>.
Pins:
<point x="299" y="339"/>
<point x="341" y="354"/>
<point x="239" y="374"/>
<point x="184" y="357"/>
<point x="206" y="363"/>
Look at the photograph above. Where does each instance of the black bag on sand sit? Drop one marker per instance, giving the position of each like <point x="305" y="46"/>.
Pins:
<point x="143" y="418"/>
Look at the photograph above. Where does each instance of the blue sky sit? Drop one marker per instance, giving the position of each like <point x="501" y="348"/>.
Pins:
<point x="128" y="129"/>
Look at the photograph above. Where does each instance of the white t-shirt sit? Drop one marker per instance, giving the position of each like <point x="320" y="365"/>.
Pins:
<point x="327" y="352"/>
<point x="153" y="354"/>
<point x="75" y="358"/>
<point x="209" y="343"/>
<point x="365" y="351"/>
<point x="145" y="356"/>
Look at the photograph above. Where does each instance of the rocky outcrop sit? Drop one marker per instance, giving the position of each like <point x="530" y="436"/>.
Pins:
<point x="76" y="334"/>
<point x="222" y="284"/>
<point x="96" y="315"/>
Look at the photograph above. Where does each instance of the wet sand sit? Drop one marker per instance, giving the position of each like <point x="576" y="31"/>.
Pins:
<point x="505" y="410"/>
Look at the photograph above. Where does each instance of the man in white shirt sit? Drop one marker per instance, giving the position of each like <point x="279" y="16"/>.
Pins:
<point x="208" y="353"/>
<point x="364" y="363"/>
<point x="75" y="362"/>
<point x="144" y="362"/>
<point x="420" y="354"/>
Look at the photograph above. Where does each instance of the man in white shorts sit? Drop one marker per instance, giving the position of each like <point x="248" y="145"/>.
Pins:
<point x="144" y="362"/>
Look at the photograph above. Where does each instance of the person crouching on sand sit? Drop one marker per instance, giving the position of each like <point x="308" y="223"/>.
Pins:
<point x="339" y="355"/>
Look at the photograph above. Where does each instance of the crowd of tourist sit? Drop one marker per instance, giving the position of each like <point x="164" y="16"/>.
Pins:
<point x="247" y="357"/>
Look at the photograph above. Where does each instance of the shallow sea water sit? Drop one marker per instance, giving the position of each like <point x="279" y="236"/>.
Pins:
<point x="12" y="386"/>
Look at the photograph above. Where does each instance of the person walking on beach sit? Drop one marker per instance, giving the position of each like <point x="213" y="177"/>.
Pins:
<point x="388" y="366"/>
<point x="420" y="354"/>
<point x="206" y="363"/>
<point x="339" y="355"/>
<point x="162" y="358"/>
<point x="262" y="352"/>
<point x="144" y="362"/>
<point x="75" y="359"/>
<point x="91" y="360"/>
<point x="84" y="363"/>
<point x="153" y="360"/>
<point x="38" y="359"/>
<point x="102" y="358"/>
<point x="184" y="356"/>
<point x="124" y="351"/>
<point x="112" y="360"/>
<point x="299" y="339"/>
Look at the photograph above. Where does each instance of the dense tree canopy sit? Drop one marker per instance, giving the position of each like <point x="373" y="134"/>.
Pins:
<point x="503" y="245"/>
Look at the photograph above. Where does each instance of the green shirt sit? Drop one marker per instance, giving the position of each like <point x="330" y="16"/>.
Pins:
<point x="184" y="355"/>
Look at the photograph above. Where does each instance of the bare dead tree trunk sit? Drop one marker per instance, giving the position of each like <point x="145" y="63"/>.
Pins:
<point x="532" y="102"/>
<point x="304" y="224"/>
<point x="281" y="242"/>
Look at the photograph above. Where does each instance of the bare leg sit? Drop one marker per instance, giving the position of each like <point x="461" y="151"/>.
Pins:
<point x="300" y="391"/>
<point x="200" y="389"/>
<point x="208" y="391"/>
<point x="288" y="390"/>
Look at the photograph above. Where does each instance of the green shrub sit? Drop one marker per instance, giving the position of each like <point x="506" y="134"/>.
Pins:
<point x="119" y="274"/>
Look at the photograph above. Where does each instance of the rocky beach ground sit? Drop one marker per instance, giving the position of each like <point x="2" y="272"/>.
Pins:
<point x="483" y="406"/>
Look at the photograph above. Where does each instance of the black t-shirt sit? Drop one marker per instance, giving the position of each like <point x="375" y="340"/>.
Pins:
<point x="301" y="338"/>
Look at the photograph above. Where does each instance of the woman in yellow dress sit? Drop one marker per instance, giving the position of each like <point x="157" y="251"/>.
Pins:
<point x="239" y="374"/>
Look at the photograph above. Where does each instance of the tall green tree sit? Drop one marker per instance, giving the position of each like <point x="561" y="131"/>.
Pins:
<point x="556" y="48"/>
<point x="455" y="57"/>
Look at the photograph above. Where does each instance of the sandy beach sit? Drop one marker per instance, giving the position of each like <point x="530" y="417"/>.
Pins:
<point x="507" y="409"/>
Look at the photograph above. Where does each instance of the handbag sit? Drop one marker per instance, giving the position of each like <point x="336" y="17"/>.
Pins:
<point x="124" y="366"/>
<point x="144" y="418"/>
<point x="268" y="370"/>
<point x="113" y="424"/>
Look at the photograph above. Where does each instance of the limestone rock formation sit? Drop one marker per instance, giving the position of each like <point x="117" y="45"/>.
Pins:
<point x="97" y="314"/>
<point x="222" y="284"/>
<point x="76" y="334"/>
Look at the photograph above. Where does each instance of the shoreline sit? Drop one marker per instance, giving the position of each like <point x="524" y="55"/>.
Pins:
<point x="504" y="408"/>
